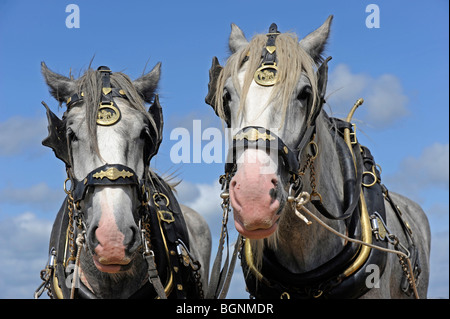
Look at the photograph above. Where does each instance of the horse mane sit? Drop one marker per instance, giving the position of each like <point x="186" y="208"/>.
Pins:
<point x="91" y="85"/>
<point x="292" y="62"/>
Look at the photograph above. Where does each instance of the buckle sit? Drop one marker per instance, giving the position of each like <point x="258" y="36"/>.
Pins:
<point x="166" y="216"/>
<point x="353" y="139"/>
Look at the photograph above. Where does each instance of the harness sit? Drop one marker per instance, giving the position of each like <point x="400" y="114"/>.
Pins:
<point x="344" y="276"/>
<point x="172" y="271"/>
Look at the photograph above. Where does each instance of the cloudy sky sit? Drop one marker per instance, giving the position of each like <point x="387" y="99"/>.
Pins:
<point x="400" y="69"/>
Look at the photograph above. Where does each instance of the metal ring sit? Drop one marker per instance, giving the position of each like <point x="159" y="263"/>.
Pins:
<point x="160" y="194"/>
<point x="379" y="168"/>
<point x="316" y="194"/>
<point x="65" y="188"/>
<point x="318" y="294"/>
<point x="285" y="295"/>
<point x="374" y="179"/>
<point x="316" y="149"/>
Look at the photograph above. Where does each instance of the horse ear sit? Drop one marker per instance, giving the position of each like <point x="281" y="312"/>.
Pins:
<point x="314" y="43"/>
<point x="237" y="39"/>
<point x="146" y="85"/>
<point x="61" y="87"/>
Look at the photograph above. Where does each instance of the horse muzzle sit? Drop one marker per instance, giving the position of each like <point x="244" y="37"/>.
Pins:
<point x="255" y="196"/>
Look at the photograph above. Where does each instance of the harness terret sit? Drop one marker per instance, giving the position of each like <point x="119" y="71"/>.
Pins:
<point x="343" y="276"/>
<point x="163" y="230"/>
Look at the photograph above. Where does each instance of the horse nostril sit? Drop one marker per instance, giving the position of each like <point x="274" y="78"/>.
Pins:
<point x="274" y="181"/>
<point x="134" y="240"/>
<point x="92" y="238"/>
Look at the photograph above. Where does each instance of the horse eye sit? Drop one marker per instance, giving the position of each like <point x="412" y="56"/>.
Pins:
<point x="71" y="135"/>
<point x="226" y="96"/>
<point x="304" y="94"/>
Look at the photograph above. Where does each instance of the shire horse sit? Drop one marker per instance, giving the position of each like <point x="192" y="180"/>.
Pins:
<point x="120" y="232"/>
<point x="315" y="221"/>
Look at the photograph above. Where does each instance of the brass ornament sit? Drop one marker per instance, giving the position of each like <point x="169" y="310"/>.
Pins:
<point x="271" y="48"/>
<point x="266" y="75"/>
<point x="112" y="174"/>
<point x="253" y="135"/>
<point x="106" y="91"/>
<point x="108" y="114"/>
<point x="381" y="229"/>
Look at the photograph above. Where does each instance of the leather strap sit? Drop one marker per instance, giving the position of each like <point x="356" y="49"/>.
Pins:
<point x="153" y="276"/>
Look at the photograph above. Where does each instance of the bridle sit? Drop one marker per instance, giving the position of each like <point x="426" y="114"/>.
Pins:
<point x="158" y="211"/>
<point x="108" y="174"/>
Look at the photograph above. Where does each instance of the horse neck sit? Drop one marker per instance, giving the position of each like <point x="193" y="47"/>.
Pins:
<point x="302" y="247"/>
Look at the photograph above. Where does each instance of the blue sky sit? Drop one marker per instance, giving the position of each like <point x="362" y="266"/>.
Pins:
<point x="400" y="69"/>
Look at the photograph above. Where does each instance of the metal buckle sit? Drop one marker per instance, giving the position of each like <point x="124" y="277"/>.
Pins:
<point x="166" y="216"/>
<point x="353" y="139"/>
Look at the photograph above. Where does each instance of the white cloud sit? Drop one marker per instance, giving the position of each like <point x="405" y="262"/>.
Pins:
<point x="384" y="99"/>
<point x="24" y="252"/>
<point x="203" y="198"/>
<point x="40" y="194"/>
<point x="20" y="133"/>
<point x="429" y="170"/>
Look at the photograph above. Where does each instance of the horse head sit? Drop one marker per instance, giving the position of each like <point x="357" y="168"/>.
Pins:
<point x="269" y="94"/>
<point x="106" y="139"/>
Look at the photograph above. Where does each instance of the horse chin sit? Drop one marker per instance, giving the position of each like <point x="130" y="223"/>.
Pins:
<point x="255" y="233"/>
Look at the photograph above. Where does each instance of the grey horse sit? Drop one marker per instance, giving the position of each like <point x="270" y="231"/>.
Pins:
<point x="307" y="199"/>
<point x="120" y="232"/>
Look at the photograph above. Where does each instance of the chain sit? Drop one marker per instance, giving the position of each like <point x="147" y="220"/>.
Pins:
<point x="195" y="265"/>
<point x="70" y="228"/>
<point x="312" y="175"/>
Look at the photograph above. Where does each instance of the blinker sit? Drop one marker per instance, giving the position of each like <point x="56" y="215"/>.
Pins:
<point x="56" y="139"/>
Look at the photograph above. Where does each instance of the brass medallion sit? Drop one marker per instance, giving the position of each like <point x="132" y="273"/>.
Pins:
<point x="108" y="114"/>
<point x="266" y="75"/>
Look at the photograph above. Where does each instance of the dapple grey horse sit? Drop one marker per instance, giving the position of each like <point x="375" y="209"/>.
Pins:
<point x="120" y="225"/>
<point x="293" y="171"/>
